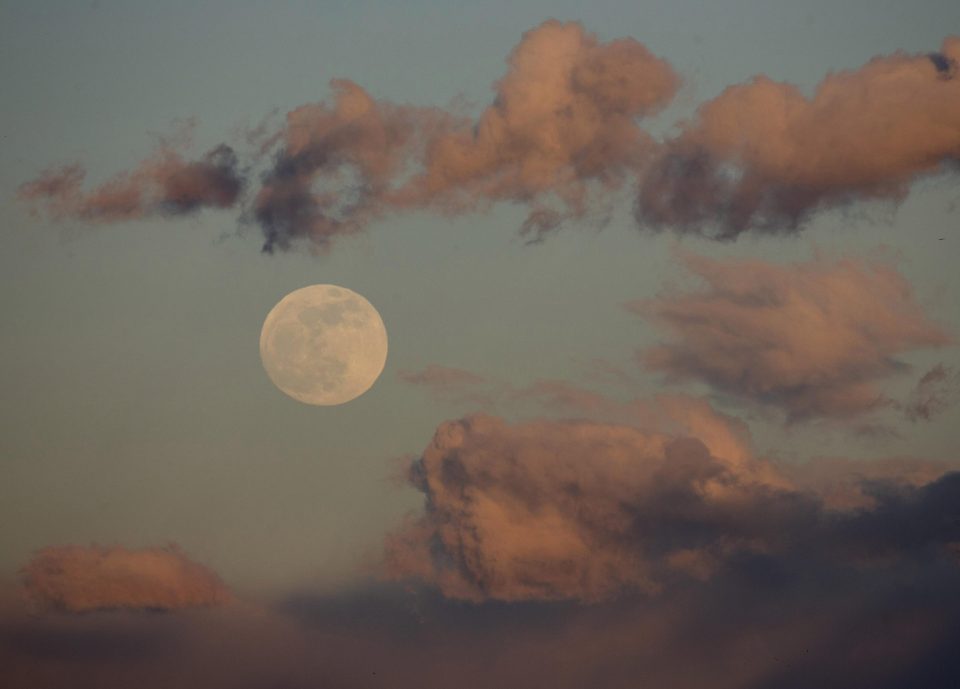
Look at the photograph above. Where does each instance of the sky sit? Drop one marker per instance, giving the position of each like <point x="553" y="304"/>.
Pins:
<point x="672" y="307"/>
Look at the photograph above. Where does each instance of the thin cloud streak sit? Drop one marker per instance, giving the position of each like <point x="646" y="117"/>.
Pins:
<point x="162" y="185"/>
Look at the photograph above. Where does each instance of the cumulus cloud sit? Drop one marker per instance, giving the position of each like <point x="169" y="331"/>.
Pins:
<point x="678" y="414"/>
<point x="563" y="123"/>
<point x="82" y="579"/>
<point x="768" y="586"/>
<point x="589" y="511"/>
<point x="813" y="338"/>
<point x="565" y="116"/>
<point x="164" y="184"/>
<point x="552" y="510"/>
<point x="764" y="156"/>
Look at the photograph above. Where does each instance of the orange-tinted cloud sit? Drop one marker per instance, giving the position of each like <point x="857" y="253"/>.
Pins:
<point x="564" y="117"/>
<point x="562" y="133"/>
<point x="335" y="164"/>
<point x="678" y="414"/>
<point x="813" y="338"/>
<point x="552" y="510"/>
<point x="563" y="125"/>
<point x="164" y="184"/>
<point x="764" y="156"/>
<point x="590" y="511"/>
<point x="81" y="579"/>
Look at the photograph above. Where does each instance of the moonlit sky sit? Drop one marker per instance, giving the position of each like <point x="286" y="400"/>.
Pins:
<point x="761" y="481"/>
<point x="135" y="406"/>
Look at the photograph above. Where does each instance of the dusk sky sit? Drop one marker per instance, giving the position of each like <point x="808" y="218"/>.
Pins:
<point x="672" y="300"/>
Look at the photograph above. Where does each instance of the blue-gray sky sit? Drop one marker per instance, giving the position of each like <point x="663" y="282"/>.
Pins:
<point x="135" y="408"/>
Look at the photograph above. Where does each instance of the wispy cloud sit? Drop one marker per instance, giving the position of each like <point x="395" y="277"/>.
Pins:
<point x="814" y="338"/>
<point x="162" y="185"/>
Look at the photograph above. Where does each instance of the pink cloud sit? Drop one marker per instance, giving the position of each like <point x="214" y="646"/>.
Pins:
<point x="553" y="510"/>
<point x="764" y="156"/>
<point x="81" y="579"/>
<point x="814" y="339"/>
<point x="164" y="184"/>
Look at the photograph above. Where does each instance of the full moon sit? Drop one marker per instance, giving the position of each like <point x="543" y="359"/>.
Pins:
<point x="323" y="345"/>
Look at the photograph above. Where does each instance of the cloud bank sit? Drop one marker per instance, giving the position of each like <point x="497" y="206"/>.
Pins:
<point x="562" y="134"/>
<point x="586" y="511"/>
<point x="770" y="625"/>
<point x="82" y="579"/>
<point x="608" y="555"/>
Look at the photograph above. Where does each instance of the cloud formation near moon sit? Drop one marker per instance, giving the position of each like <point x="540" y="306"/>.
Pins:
<point x="813" y="338"/>
<point x="581" y="510"/>
<point x="563" y="134"/>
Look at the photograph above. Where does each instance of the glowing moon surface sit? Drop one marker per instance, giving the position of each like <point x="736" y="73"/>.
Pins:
<point x="323" y="345"/>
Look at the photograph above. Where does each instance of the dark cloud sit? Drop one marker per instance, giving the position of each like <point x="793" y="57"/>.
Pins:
<point x="936" y="391"/>
<point x="814" y="339"/>
<point x="946" y="65"/>
<point x="846" y="484"/>
<point x="763" y="623"/>
<point x="763" y="156"/>
<point x="80" y="579"/>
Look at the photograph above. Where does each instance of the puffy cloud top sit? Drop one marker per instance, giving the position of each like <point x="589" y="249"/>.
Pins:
<point x="578" y="510"/>
<point x="762" y="155"/>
